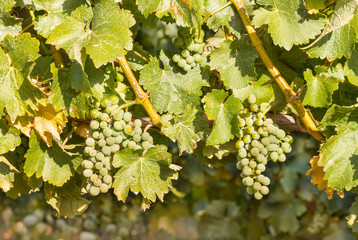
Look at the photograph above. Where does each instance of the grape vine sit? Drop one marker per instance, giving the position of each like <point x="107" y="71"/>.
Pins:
<point x="149" y="101"/>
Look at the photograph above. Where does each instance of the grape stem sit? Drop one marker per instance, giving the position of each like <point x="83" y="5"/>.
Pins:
<point x="291" y="96"/>
<point x="142" y="97"/>
<point x="126" y="105"/>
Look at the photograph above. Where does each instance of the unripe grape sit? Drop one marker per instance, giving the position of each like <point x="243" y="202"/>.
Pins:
<point x="102" y="143"/>
<point x="98" y="165"/>
<point x="137" y="138"/>
<point x="87" y="164"/>
<point x="281" y="158"/>
<point x="94" y="177"/>
<point x="107" y="132"/>
<point x="106" y="161"/>
<point x="118" y="139"/>
<point x="103" y="188"/>
<point x="268" y="122"/>
<point x="266" y="181"/>
<point x="247" y="139"/>
<point x="185" y="53"/>
<point x="125" y="143"/>
<point x="264" y="151"/>
<point x="128" y="130"/>
<point x="242" y="122"/>
<point x="99" y="156"/>
<point x="245" y="161"/>
<point x="261" y="159"/>
<point x="114" y="99"/>
<point x="137" y="123"/>
<point x="261" y="167"/>
<point x="274" y="156"/>
<point x="138" y="130"/>
<point x="242" y="153"/>
<point x="103" y="124"/>
<point x="255" y="136"/>
<point x="254" y="151"/>
<point x="189" y="60"/>
<point x="187" y="67"/>
<point x="115" y="133"/>
<point x="176" y="58"/>
<point x="97" y="182"/>
<point x="92" y="152"/>
<point x="260" y="115"/>
<point x="118" y="115"/>
<point x="249" y="121"/>
<point x="95" y="135"/>
<point x="281" y="134"/>
<point x="248" y="181"/>
<point x="145" y="136"/>
<point x="249" y="129"/>
<point x="104" y="117"/>
<point x="90" y="142"/>
<point x="257" y="195"/>
<point x="107" y="179"/>
<point x="131" y="144"/>
<point x="288" y="139"/>
<point x="250" y="190"/>
<point x="110" y="141"/>
<point x="146" y="145"/>
<point x="87" y="173"/>
<point x="106" y="150"/>
<point x="94" y="191"/>
<point x="239" y="144"/>
<point x="105" y="102"/>
<point x="259" y="122"/>
<point x="94" y="125"/>
<point x="254" y="107"/>
<point x="127" y="116"/>
<point x="94" y="113"/>
<point x="119" y="125"/>
<point x="115" y="148"/>
<point x="272" y="147"/>
<point x="182" y="63"/>
<point x="252" y="164"/>
<point x="279" y="151"/>
<point x="247" y="171"/>
<point x="239" y="165"/>
<point x="264" y="190"/>
<point x="286" y="147"/>
<point x="103" y="171"/>
<point x="251" y="99"/>
<point x="178" y="43"/>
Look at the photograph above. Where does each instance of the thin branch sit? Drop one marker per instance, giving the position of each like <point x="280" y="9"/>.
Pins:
<point x="26" y="28"/>
<point x="140" y="55"/>
<point x="291" y="96"/>
<point x="142" y="97"/>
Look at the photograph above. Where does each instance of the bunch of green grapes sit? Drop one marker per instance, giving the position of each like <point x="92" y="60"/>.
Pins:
<point x="112" y="129"/>
<point x="190" y="47"/>
<point x="260" y="141"/>
<point x="18" y="154"/>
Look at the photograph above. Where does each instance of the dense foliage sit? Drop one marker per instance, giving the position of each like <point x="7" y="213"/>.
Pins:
<point x="210" y="129"/>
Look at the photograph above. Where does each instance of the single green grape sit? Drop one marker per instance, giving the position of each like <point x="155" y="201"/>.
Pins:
<point x="87" y="164"/>
<point x="103" y="188"/>
<point x="286" y="147"/>
<point x="254" y="151"/>
<point x="254" y="107"/>
<point x="252" y="164"/>
<point x="247" y="139"/>
<point x="131" y="144"/>
<point x="257" y="195"/>
<point x="176" y="58"/>
<point x="92" y="152"/>
<point x="128" y="130"/>
<point x="93" y="113"/>
<point x="146" y="145"/>
<point x="239" y="144"/>
<point x="281" y="158"/>
<point x="251" y="99"/>
<point x="261" y="167"/>
<point x="102" y="143"/>
<point x="127" y="116"/>
<point x="257" y="186"/>
<point x="106" y="150"/>
<point x="103" y="124"/>
<point x="107" y="179"/>
<point x="247" y="171"/>
<point x="107" y="132"/>
<point x="185" y="53"/>
<point x="272" y="147"/>
<point x="114" y="99"/>
<point x="137" y="123"/>
<point x="138" y="130"/>
<point x="94" y="124"/>
<point x="242" y="153"/>
<point x="99" y="156"/>
<point x="245" y="161"/>
<point x="98" y="165"/>
<point x="94" y="191"/>
<point x="90" y="142"/>
<point x="105" y="102"/>
<point x="115" y="148"/>
<point x="274" y="156"/>
<point x="118" y="139"/>
<point x="106" y="161"/>
<point x="104" y="117"/>
<point x="87" y="173"/>
<point x="264" y="190"/>
<point x="145" y="136"/>
<point x="248" y="181"/>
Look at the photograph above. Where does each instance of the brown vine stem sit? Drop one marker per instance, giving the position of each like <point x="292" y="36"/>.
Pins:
<point x="140" y="94"/>
<point x="291" y="96"/>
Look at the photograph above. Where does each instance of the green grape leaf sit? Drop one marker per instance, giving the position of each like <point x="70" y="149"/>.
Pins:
<point x="74" y="33"/>
<point x="226" y="17"/>
<point x="283" y="17"/>
<point x="66" y="200"/>
<point x="7" y="173"/>
<point x="223" y="109"/>
<point x="148" y="173"/>
<point x="42" y="69"/>
<point x="24" y="185"/>
<point x="63" y="97"/>
<point x="9" y="137"/>
<point x="235" y="63"/>
<point x="345" y="8"/>
<point x="183" y="128"/>
<point x="340" y="116"/>
<point x="57" y="11"/>
<point x="351" y="68"/>
<point x="215" y="220"/>
<point x="320" y="88"/>
<point x="315" y="4"/>
<point x="9" y="25"/>
<point x="110" y="33"/>
<point x="16" y="91"/>
<point x="338" y="157"/>
<point x="171" y="90"/>
<point x="338" y="43"/>
<point x="180" y="10"/>
<point x="6" y="5"/>
<point x="220" y="151"/>
<point x="262" y="90"/>
<point x="51" y="163"/>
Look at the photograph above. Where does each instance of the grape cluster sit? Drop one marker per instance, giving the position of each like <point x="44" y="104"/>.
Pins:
<point x="260" y="141"/>
<point x="112" y="129"/>
<point x="191" y="48"/>
<point x="18" y="154"/>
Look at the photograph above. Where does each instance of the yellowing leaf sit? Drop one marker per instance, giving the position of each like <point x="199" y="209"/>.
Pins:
<point x="317" y="178"/>
<point x="23" y="123"/>
<point x="49" y="123"/>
